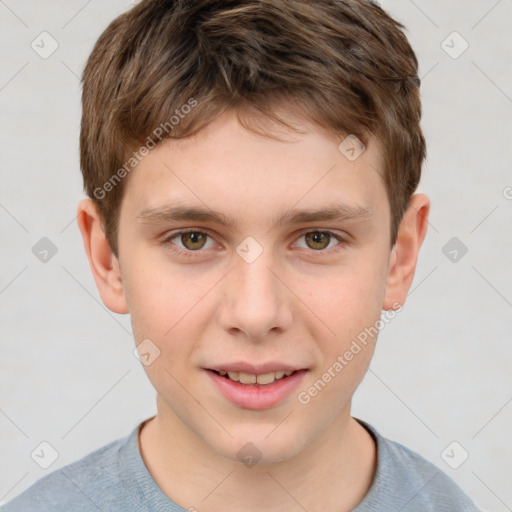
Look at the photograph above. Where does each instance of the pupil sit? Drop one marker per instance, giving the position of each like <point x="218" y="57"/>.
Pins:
<point x="317" y="239"/>
<point x="194" y="238"/>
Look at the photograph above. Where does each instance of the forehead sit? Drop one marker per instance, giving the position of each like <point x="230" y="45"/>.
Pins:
<point x="227" y="174"/>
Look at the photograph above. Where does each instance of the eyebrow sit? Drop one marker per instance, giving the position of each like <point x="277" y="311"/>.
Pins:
<point x="170" y="213"/>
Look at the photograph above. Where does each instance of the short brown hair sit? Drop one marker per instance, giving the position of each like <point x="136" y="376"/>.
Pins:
<point x="345" y="63"/>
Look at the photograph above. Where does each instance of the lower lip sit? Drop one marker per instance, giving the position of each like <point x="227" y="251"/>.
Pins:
<point x="257" y="397"/>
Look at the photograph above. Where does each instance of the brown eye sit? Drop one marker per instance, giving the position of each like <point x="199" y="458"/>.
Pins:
<point x="194" y="240"/>
<point x="317" y="240"/>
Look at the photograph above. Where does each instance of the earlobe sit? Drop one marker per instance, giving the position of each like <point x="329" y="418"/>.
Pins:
<point x="104" y="265"/>
<point x="404" y="255"/>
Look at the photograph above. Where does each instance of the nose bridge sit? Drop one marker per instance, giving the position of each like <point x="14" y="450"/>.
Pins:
<point x="255" y="302"/>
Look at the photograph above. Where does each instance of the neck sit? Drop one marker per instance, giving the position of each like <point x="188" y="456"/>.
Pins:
<point x="334" y="473"/>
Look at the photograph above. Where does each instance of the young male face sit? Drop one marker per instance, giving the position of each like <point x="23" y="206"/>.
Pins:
<point x="258" y="295"/>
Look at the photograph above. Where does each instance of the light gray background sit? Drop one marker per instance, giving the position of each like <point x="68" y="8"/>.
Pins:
<point x="442" y="369"/>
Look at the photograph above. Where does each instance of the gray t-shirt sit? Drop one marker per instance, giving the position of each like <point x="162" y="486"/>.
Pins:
<point x="114" y="478"/>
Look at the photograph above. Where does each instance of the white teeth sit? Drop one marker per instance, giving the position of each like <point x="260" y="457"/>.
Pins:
<point x="266" y="378"/>
<point x="249" y="378"/>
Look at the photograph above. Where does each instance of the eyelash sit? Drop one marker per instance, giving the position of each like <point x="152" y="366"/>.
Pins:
<point x="192" y="254"/>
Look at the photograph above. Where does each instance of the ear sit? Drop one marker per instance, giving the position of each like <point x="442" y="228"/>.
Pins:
<point x="404" y="254"/>
<point x="104" y="265"/>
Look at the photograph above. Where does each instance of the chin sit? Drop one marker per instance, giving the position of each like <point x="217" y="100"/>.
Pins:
<point x="255" y="447"/>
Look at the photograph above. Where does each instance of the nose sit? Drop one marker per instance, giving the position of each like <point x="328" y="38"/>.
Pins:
<point x="256" y="301"/>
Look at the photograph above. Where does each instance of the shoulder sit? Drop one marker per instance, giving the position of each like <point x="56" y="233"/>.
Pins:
<point x="408" y="482"/>
<point x="91" y="483"/>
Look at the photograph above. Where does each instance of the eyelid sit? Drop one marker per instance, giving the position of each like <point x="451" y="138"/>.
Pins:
<point x="173" y="234"/>
<point x="334" y="233"/>
<point x="342" y="239"/>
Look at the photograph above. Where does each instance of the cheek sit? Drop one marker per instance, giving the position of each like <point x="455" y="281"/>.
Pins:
<point x="350" y="304"/>
<point x="349" y="299"/>
<point x="158" y="297"/>
<point x="352" y="310"/>
<point x="166" y="310"/>
<point x="170" y="307"/>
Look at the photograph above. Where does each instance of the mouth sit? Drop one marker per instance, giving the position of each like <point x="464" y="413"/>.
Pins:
<point x="256" y="388"/>
<point x="256" y="380"/>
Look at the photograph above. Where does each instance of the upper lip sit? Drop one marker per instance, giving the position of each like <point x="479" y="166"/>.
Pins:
<point x="255" y="369"/>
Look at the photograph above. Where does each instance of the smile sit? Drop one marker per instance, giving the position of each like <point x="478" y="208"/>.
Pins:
<point x="256" y="391"/>
<point x="263" y="379"/>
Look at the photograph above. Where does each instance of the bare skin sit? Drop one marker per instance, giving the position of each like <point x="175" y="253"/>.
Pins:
<point x="302" y="301"/>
